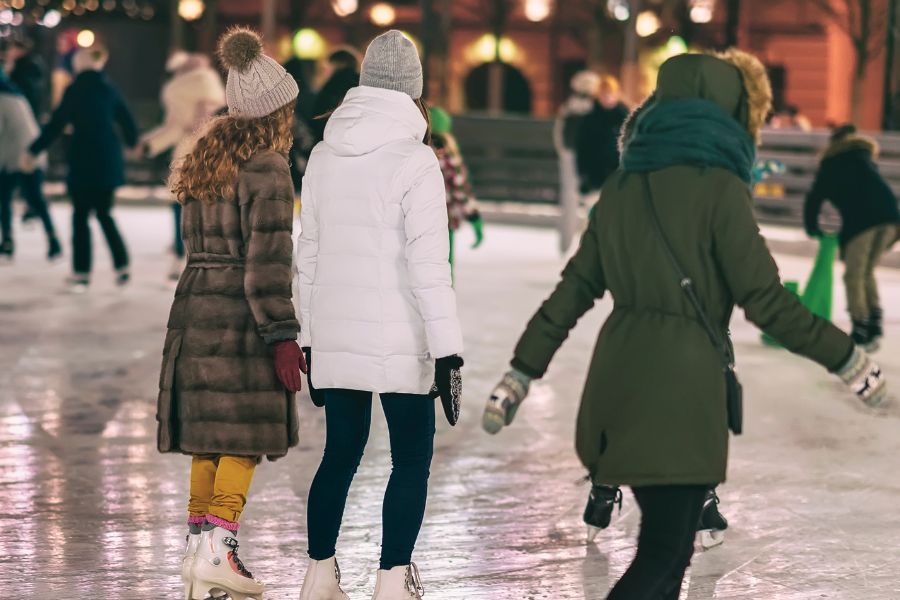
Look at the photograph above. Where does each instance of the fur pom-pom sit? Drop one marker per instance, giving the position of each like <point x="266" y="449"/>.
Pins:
<point x="239" y="47"/>
<point x="756" y="82"/>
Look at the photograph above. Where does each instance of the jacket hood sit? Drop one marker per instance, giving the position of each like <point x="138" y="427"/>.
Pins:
<point x="734" y="80"/>
<point x="370" y="118"/>
<point x="850" y="144"/>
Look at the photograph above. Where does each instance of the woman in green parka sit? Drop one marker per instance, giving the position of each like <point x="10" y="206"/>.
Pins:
<point x="653" y="415"/>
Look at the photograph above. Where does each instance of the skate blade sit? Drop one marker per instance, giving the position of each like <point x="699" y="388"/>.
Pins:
<point x="592" y="533"/>
<point x="205" y="590"/>
<point x="710" y="538"/>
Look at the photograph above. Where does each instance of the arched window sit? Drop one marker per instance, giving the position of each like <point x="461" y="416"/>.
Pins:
<point x="516" y="89"/>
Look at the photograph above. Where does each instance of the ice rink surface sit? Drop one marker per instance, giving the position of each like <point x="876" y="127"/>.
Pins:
<point x="89" y="509"/>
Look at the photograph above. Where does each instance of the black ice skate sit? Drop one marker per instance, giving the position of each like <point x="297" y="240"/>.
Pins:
<point x="6" y="251"/>
<point x="876" y="325"/>
<point x="862" y="335"/>
<point x="598" y="512"/>
<point x="711" y="531"/>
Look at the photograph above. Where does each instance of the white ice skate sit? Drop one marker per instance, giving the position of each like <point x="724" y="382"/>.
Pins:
<point x="219" y="573"/>
<point x="400" y="583"/>
<point x="77" y="284"/>
<point x="187" y="563"/>
<point x="323" y="581"/>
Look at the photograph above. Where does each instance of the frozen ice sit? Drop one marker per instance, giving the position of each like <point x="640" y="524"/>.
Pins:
<point x="88" y="508"/>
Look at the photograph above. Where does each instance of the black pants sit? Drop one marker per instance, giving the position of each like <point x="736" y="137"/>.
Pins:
<point x="669" y="518"/>
<point x="348" y="414"/>
<point x="100" y="202"/>
<point x="31" y="185"/>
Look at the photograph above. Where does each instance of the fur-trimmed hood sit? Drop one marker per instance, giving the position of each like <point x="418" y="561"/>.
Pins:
<point x="734" y="80"/>
<point x="851" y="143"/>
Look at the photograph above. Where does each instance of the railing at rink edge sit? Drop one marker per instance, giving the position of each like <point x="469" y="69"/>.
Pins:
<point x="518" y="176"/>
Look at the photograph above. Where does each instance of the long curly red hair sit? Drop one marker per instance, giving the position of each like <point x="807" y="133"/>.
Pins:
<point x="209" y="172"/>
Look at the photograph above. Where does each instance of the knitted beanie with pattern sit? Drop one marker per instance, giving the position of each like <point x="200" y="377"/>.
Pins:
<point x="257" y="85"/>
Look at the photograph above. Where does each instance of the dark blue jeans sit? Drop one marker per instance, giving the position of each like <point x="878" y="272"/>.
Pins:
<point x="348" y="415"/>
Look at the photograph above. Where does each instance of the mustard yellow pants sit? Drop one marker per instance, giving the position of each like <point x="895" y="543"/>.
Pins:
<point x="219" y="487"/>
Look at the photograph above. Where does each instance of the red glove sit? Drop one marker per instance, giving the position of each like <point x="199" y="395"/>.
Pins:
<point x="289" y="362"/>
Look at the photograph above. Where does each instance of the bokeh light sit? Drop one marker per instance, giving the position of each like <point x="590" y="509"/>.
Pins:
<point x="383" y="14"/>
<point x="85" y="38"/>
<point x="344" y="8"/>
<point x="308" y="44"/>
<point x="191" y="10"/>
<point x="537" y="10"/>
<point x="51" y="18"/>
<point x="647" y="23"/>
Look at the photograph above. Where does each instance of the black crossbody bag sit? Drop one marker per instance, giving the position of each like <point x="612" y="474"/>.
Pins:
<point x="734" y="393"/>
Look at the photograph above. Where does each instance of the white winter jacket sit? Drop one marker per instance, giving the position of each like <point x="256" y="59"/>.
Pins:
<point x="376" y="302"/>
<point x="188" y="99"/>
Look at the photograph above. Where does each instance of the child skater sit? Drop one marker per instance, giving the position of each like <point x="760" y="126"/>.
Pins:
<point x="231" y="364"/>
<point x="377" y="308"/>
<point x="461" y="203"/>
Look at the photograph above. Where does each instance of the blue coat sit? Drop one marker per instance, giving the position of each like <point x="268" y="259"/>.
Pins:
<point x="93" y="107"/>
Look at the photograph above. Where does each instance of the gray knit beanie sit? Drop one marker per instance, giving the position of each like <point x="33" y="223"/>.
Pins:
<point x="257" y="85"/>
<point x="392" y="63"/>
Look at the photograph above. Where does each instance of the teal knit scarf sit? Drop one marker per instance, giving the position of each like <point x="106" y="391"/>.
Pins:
<point x="688" y="132"/>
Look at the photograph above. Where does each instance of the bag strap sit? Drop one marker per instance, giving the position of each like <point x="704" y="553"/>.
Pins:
<point x="686" y="282"/>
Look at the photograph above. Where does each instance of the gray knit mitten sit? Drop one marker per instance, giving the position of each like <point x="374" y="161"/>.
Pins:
<point x="505" y="400"/>
<point x="864" y="378"/>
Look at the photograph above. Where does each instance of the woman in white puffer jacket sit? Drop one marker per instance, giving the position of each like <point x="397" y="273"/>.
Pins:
<point x="376" y="307"/>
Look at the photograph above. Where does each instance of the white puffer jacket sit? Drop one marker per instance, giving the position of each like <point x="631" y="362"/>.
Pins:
<point x="376" y="302"/>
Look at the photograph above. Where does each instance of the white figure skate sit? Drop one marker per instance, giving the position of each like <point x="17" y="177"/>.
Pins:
<point x="187" y="563"/>
<point x="323" y="581"/>
<point x="400" y="583"/>
<point x="219" y="573"/>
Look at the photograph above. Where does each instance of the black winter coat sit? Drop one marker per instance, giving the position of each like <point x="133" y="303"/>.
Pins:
<point x="848" y="178"/>
<point x="597" y="145"/>
<point x="29" y="74"/>
<point x="330" y="97"/>
<point x="93" y="107"/>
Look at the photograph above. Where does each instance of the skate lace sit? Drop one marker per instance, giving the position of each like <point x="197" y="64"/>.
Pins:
<point x="413" y="581"/>
<point x="233" y="544"/>
<point x="618" y="499"/>
<point x="337" y="571"/>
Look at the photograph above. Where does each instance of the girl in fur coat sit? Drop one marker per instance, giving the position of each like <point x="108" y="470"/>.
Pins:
<point x="231" y="365"/>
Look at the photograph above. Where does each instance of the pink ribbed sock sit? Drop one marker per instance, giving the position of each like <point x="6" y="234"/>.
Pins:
<point x="229" y="525"/>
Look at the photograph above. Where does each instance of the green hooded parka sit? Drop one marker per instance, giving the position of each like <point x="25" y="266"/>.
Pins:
<point x="653" y="410"/>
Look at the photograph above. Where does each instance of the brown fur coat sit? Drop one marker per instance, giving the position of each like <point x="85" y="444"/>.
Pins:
<point x="218" y="389"/>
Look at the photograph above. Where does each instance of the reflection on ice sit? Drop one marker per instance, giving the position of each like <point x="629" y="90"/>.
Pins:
<point x="90" y="508"/>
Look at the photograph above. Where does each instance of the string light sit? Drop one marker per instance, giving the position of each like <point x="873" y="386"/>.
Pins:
<point x="383" y="14"/>
<point x="85" y="38"/>
<point x="619" y="9"/>
<point x="344" y="8"/>
<point x="647" y="23"/>
<point x="537" y="10"/>
<point x="702" y="10"/>
<point x="191" y="10"/>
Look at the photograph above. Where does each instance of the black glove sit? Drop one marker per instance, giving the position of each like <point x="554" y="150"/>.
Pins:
<point x="318" y="396"/>
<point x="448" y="385"/>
